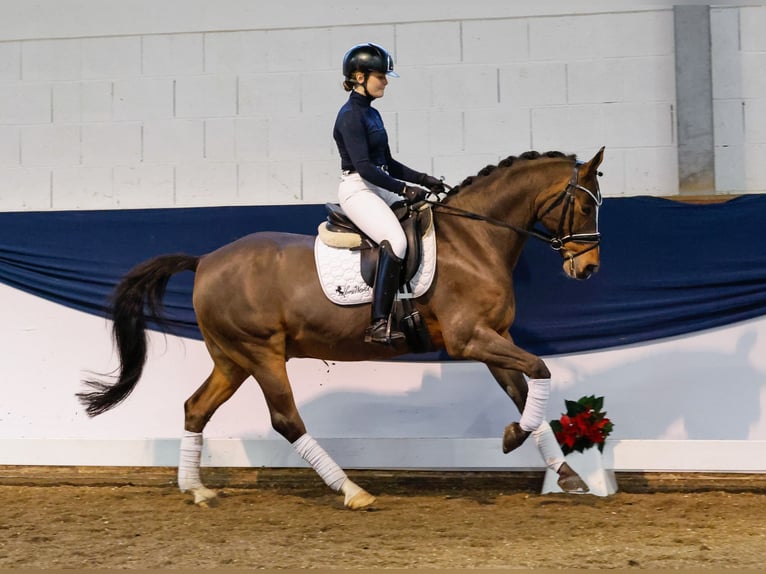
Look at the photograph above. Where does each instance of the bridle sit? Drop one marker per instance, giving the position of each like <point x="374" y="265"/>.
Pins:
<point x="564" y="233"/>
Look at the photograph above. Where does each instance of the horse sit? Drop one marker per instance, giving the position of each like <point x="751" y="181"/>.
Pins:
<point x="252" y="326"/>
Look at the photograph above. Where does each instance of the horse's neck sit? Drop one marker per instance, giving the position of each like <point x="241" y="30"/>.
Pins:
<point x="504" y="200"/>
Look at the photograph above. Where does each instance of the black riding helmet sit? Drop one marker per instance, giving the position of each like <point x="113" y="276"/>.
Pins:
<point x="368" y="58"/>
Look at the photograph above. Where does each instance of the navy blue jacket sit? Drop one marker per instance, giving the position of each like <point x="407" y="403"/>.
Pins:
<point x="363" y="145"/>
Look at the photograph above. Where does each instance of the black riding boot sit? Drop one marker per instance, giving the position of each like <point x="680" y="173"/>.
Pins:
<point x="383" y="293"/>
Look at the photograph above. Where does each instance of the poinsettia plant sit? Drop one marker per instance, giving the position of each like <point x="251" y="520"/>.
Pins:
<point x="583" y="425"/>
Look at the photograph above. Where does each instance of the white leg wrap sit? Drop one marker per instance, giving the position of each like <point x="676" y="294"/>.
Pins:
<point x="188" y="465"/>
<point x="320" y="461"/>
<point x="537" y="401"/>
<point x="549" y="446"/>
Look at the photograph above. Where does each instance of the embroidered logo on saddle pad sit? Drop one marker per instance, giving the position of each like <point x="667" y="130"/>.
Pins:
<point x="340" y="274"/>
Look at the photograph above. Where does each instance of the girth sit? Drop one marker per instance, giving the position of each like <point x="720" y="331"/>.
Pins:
<point x="415" y="223"/>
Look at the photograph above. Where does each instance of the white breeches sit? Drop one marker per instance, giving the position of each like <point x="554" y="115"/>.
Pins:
<point x="367" y="205"/>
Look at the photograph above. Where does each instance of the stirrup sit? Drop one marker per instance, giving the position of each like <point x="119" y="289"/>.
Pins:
<point x="380" y="332"/>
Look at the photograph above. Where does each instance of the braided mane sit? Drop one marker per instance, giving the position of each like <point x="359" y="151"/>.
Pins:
<point x="508" y="162"/>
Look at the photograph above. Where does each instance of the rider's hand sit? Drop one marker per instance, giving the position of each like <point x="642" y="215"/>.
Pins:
<point x="431" y="183"/>
<point x="414" y="194"/>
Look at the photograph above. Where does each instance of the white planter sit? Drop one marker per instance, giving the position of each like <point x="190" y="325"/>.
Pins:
<point x="589" y="465"/>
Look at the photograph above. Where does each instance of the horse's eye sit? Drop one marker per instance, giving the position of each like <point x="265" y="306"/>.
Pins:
<point x="586" y="209"/>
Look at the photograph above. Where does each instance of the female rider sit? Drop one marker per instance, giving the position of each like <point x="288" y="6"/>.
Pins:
<point x="372" y="180"/>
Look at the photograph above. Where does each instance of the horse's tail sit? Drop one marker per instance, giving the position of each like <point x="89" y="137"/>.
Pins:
<point x="136" y="298"/>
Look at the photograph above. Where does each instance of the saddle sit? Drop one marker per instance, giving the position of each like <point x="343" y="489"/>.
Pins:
<point x="339" y="231"/>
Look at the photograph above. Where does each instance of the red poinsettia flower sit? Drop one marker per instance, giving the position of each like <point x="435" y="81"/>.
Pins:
<point x="583" y="425"/>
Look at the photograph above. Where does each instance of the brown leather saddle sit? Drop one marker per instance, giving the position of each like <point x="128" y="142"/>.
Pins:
<point x="416" y="220"/>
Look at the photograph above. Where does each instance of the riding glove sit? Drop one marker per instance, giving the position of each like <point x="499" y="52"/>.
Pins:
<point x="431" y="183"/>
<point x="414" y="194"/>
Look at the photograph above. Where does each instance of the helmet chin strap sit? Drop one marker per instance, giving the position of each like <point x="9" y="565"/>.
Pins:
<point x="364" y="86"/>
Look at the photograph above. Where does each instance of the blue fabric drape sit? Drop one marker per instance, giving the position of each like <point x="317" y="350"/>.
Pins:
<point x="667" y="268"/>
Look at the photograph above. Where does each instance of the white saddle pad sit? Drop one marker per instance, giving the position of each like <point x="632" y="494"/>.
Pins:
<point x="342" y="281"/>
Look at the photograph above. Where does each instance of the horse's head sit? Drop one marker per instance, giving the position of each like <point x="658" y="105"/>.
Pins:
<point x="569" y="211"/>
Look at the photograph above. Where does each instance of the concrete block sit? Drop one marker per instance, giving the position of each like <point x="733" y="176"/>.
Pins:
<point x="635" y="34"/>
<point x="83" y="188"/>
<point x="567" y="128"/>
<point x="300" y="138"/>
<point x="43" y="60"/>
<point x="638" y="124"/>
<point x="651" y="171"/>
<point x="729" y="122"/>
<point x="206" y="96"/>
<point x="534" y="84"/>
<point x="144" y="186"/>
<point x="433" y="43"/>
<point x="173" y="54"/>
<point x="206" y="183"/>
<point x="501" y="130"/>
<point x="143" y="99"/>
<point x="25" y="103"/>
<point x="445" y="132"/>
<point x="267" y="95"/>
<point x="25" y="189"/>
<point x="595" y="81"/>
<point x="10" y="61"/>
<point x="322" y="92"/>
<point x="412" y="91"/>
<point x="753" y="65"/>
<point x="621" y="80"/>
<point x="465" y="87"/>
<point x="320" y="181"/>
<point x="82" y="102"/>
<point x="50" y="146"/>
<point x="434" y="133"/>
<point x="111" y="144"/>
<point x="565" y="38"/>
<point x="251" y="138"/>
<point x="299" y="50"/>
<point x="220" y="141"/>
<point x="9" y="146"/>
<point x="172" y="141"/>
<point x="755" y="168"/>
<point x="240" y="139"/>
<point x="731" y="169"/>
<point x="270" y="183"/>
<point x="725" y="55"/>
<point x="752" y="24"/>
<point x="495" y="41"/>
<point x="235" y="52"/>
<point x="755" y="121"/>
<point x="109" y="58"/>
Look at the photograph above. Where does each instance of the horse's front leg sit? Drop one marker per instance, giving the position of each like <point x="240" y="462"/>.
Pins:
<point x="515" y="386"/>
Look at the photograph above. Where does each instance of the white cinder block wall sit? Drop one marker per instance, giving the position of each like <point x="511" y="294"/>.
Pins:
<point x="108" y="105"/>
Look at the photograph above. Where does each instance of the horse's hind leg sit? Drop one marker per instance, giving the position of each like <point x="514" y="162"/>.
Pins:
<point x="271" y="375"/>
<point x="515" y="386"/>
<point x="225" y="379"/>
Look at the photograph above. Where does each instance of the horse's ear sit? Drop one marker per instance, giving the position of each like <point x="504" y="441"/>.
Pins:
<point x="592" y="166"/>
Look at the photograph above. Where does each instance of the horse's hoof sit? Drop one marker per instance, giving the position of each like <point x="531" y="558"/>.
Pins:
<point x="513" y="437"/>
<point x="204" y="497"/>
<point x="360" y="501"/>
<point x="570" y="482"/>
<point x="356" y="498"/>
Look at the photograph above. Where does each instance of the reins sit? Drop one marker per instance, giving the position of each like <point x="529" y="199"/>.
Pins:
<point x="557" y="241"/>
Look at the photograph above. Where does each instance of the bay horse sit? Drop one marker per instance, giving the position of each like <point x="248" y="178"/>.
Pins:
<point x="258" y="303"/>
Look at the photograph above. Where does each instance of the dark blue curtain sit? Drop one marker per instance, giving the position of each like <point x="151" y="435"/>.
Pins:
<point x="667" y="268"/>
